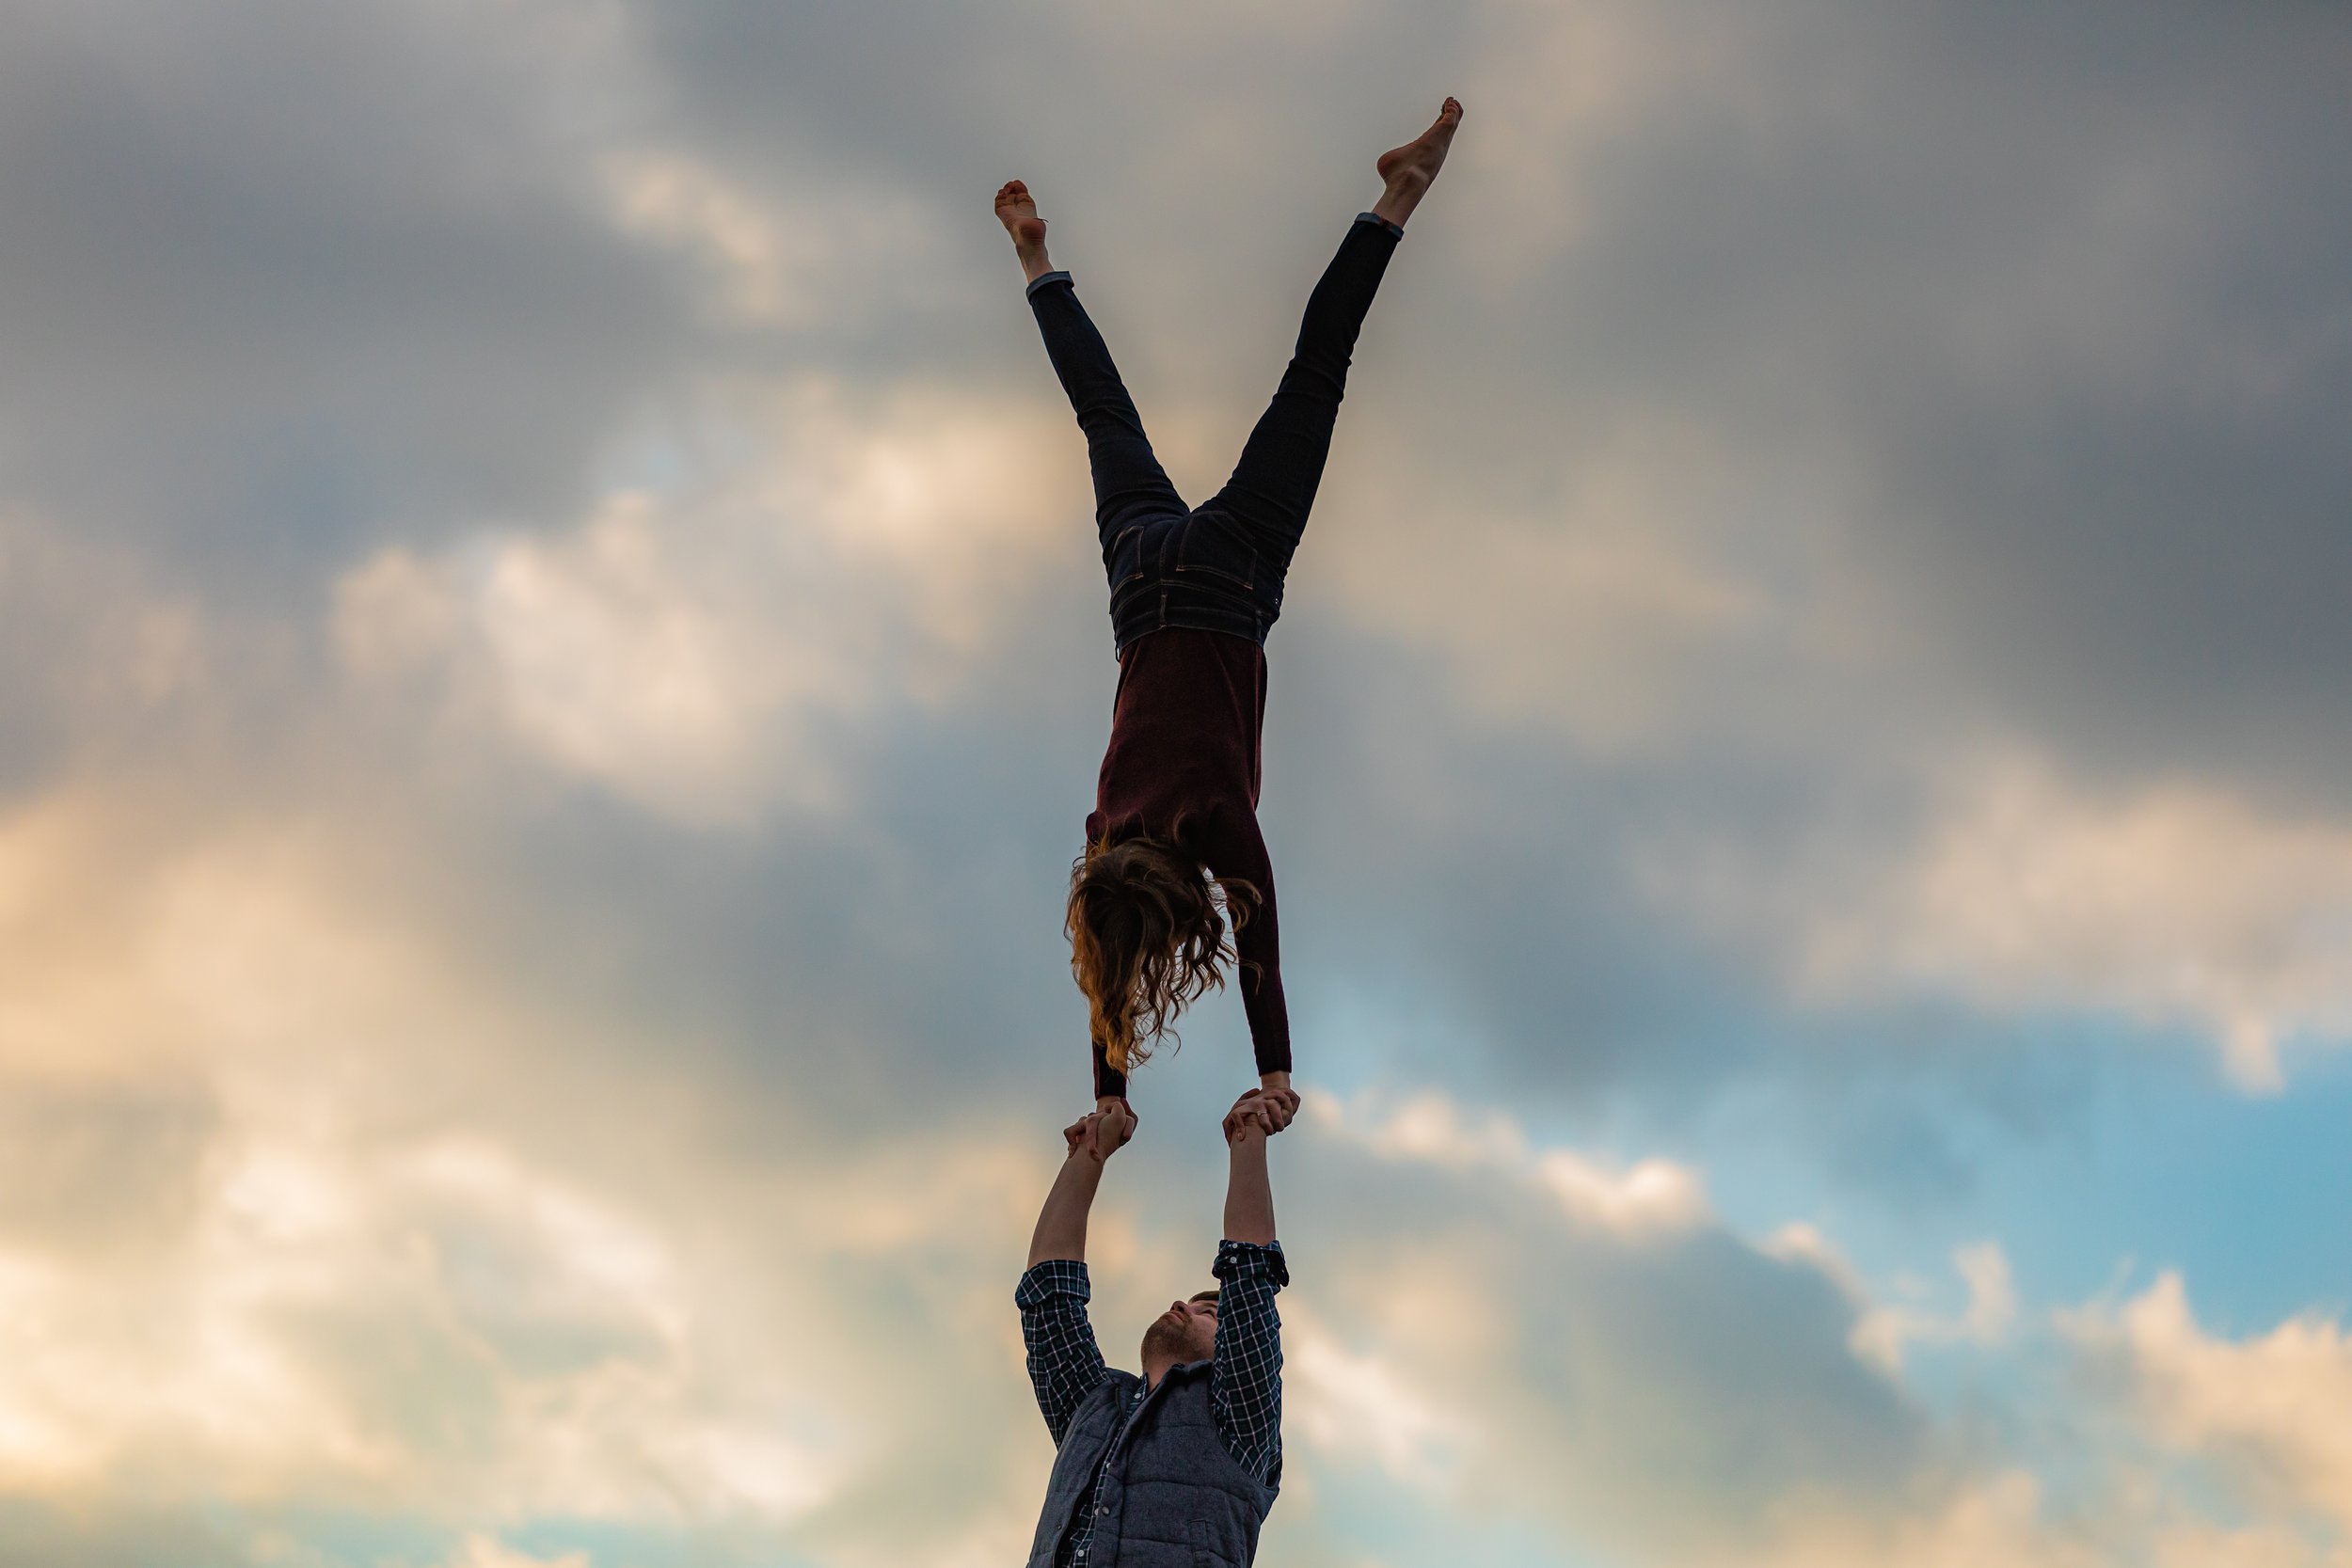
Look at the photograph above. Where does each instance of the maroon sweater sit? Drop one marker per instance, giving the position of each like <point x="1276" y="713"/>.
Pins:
<point x="1182" y="768"/>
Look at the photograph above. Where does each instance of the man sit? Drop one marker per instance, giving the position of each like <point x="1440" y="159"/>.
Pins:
<point x="1175" y="1468"/>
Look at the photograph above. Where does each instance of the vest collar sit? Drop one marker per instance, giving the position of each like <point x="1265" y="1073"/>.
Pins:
<point x="1179" y="1367"/>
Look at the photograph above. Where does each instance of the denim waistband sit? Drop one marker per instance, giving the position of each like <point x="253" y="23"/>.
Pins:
<point x="1163" y="605"/>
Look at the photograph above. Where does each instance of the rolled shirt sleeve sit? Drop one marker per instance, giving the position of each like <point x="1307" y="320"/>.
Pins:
<point x="1246" y="1379"/>
<point x="1064" y="1362"/>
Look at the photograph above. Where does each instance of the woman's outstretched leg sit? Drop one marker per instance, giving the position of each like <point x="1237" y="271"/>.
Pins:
<point x="1129" y="484"/>
<point x="1273" y="486"/>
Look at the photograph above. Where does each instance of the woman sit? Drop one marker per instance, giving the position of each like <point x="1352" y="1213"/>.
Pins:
<point x="1173" y="854"/>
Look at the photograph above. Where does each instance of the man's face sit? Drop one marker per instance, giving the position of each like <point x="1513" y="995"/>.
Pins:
<point x="1186" y="1331"/>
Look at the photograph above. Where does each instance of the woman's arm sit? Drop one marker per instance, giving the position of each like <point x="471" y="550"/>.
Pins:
<point x="1258" y="943"/>
<point x="1110" y="1084"/>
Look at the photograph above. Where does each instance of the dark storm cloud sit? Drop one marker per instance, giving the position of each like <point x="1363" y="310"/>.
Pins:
<point x="275" y="280"/>
<point x="2054" y="309"/>
<point x="2046" y="307"/>
<point x="1626" y="1369"/>
<point x="2042" y="315"/>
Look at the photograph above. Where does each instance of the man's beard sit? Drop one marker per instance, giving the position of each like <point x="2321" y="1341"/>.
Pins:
<point x="1167" y="1339"/>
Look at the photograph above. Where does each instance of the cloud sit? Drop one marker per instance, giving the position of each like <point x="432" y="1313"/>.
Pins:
<point x="1588" y="1347"/>
<point x="321" y="1302"/>
<point x="377" y="1253"/>
<point x="433" y="1245"/>
<point x="439" y="1250"/>
<point x="680" y="647"/>
<point x="1349" y="1406"/>
<point x="316" y="311"/>
<point x="1884" y="1328"/>
<point x="769" y="259"/>
<point x="1650" y="1196"/>
<point x="2266" y="1411"/>
<point x="2176" y="905"/>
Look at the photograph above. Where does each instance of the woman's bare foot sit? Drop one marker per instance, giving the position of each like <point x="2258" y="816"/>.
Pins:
<point x="1408" y="170"/>
<point x="1018" y="214"/>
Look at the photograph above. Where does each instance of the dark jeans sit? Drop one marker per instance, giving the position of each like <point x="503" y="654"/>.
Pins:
<point x="1217" y="566"/>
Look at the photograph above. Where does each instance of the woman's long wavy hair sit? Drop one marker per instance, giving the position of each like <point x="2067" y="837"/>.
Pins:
<point x="1148" y="936"/>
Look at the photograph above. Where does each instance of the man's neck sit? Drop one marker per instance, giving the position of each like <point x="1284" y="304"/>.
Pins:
<point x="1154" y="1370"/>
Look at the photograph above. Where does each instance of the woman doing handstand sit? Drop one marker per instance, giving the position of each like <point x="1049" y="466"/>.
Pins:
<point x="1194" y="589"/>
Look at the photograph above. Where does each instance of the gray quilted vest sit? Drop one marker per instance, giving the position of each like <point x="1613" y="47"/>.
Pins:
<point x="1174" y="1497"/>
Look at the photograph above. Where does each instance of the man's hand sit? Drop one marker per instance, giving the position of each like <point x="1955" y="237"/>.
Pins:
<point x="1255" y="1112"/>
<point x="1101" y="1133"/>
<point x="1281" y="1103"/>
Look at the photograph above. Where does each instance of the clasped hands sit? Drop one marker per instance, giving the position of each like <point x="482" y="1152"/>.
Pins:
<point x="1103" y="1130"/>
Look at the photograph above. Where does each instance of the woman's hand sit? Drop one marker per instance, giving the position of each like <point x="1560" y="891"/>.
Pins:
<point x="1102" y="1132"/>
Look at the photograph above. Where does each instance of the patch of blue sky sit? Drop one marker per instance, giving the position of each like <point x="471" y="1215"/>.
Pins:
<point x="2172" y="1167"/>
<point x="2097" y="1154"/>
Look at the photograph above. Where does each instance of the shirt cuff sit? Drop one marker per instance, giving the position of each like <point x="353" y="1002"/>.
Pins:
<point x="1037" y="283"/>
<point x="1249" y="1260"/>
<point x="1055" y="1277"/>
<point x="1396" y="228"/>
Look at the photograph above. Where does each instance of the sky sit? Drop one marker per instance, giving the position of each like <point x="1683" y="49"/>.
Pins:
<point x="552" y="665"/>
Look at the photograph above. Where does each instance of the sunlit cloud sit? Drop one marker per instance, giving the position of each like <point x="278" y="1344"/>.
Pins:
<point x="769" y="264"/>
<point x="1647" y="1196"/>
<point x="1349" y="1406"/>
<point x="2174" y="905"/>
<point x="1890" y="1316"/>
<point x="2267" y="1410"/>
<point x="1990" y="1311"/>
<point x="338" y="1295"/>
<point x="675" y="647"/>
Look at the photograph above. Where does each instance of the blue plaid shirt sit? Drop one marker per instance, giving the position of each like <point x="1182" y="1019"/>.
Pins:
<point x="1245" y="1379"/>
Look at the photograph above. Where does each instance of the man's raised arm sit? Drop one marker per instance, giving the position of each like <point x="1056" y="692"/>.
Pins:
<point x="1064" y="1361"/>
<point x="1245" y="1386"/>
<point x="1248" y="1195"/>
<point x="1061" y="1225"/>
